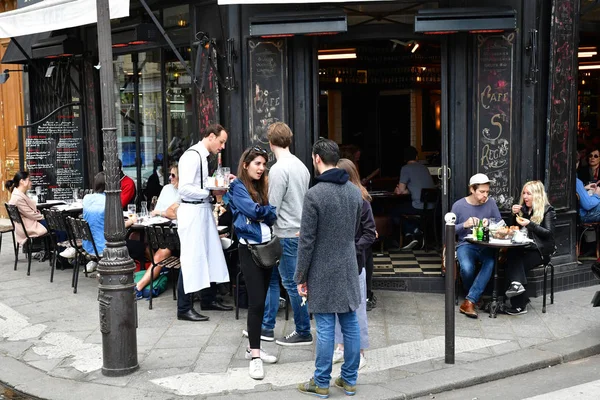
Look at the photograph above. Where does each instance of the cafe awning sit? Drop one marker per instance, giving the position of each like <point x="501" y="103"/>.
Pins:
<point x="229" y="2"/>
<point x="53" y="15"/>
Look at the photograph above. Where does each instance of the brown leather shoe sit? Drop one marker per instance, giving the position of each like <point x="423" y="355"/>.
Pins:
<point x="468" y="308"/>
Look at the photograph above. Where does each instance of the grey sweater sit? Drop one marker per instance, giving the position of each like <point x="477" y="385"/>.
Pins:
<point x="288" y="184"/>
<point x="326" y="249"/>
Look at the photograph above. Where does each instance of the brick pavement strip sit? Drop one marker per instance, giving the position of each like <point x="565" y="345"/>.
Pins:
<point x="50" y="345"/>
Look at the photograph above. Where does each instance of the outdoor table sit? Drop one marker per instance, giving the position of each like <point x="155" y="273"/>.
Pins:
<point x="495" y="244"/>
<point x="73" y="209"/>
<point x="48" y="204"/>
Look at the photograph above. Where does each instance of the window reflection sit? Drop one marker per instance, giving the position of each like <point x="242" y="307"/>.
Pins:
<point x="179" y="105"/>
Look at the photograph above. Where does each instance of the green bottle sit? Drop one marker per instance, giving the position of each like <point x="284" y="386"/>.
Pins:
<point x="480" y="230"/>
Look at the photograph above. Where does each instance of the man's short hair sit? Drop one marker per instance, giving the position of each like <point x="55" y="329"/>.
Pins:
<point x="410" y="153"/>
<point x="214" y="128"/>
<point x="327" y="150"/>
<point x="280" y="135"/>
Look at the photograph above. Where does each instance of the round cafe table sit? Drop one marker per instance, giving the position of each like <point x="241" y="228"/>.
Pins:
<point x="495" y="244"/>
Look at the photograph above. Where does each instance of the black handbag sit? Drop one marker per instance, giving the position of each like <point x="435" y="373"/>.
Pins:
<point x="266" y="255"/>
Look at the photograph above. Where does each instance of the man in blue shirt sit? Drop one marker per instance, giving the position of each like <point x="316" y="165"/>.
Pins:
<point x="478" y="206"/>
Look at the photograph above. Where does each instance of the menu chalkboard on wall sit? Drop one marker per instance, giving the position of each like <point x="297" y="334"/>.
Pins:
<point x="268" y="77"/>
<point x="208" y="100"/>
<point x="54" y="154"/>
<point x="494" y="82"/>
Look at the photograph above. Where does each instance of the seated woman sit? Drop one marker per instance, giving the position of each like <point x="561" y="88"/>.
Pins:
<point x="537" y="215"/>
<point x="166" y="206"/>
<point x="93" y="212"/>
<point x="30" y="215"/>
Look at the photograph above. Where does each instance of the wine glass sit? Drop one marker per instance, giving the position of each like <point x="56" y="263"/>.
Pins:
<point x="131" y="210"/>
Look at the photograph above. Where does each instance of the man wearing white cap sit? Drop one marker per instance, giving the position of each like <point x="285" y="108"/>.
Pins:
<point x="478" y="206"/>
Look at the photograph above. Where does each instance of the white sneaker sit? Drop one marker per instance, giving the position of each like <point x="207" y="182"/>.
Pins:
<point x="266" y="357"/>
<point x="255" y="370"/>
<point x="338" y="356"/>
<point x="91" y="266"/>
<point x="69" y="252"/>
<point x="363" y="361"/>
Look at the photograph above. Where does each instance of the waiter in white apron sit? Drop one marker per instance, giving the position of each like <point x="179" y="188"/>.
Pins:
<point x="202" y="259"/>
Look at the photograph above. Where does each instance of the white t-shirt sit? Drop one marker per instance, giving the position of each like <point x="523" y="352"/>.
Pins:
<point x="168" y="195"/>
<point x="265" y="232"/>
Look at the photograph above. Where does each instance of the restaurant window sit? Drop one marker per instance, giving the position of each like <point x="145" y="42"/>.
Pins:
<point x="178" y="105"/>
<point x="138" y="88"/>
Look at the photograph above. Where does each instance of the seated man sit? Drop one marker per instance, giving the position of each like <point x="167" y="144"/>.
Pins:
<point x="469" y="211"/>
<point x="589" y="202"/>
<point x="414" y="176"/>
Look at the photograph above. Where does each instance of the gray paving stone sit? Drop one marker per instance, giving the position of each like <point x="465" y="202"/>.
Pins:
<point x="171" y="358"/>
<point x="173" y="342"/>
<point x="14" y="349"/>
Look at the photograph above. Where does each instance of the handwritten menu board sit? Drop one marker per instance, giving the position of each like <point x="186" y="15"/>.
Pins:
<point x="494" y="80"/>
<point x="563" y="94"/>
<point x="54" y="154"/>
<point x="268" y="77"/>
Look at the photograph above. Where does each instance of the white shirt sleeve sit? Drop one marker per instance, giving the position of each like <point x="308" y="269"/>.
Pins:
<point x="189" y="176"/>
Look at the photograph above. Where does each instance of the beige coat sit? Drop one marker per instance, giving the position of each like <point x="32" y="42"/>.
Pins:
<point x="30" y="215"/>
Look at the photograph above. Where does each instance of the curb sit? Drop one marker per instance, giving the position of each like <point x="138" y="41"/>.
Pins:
<point x="36" y="383"/>
<point x="581" y="345"/>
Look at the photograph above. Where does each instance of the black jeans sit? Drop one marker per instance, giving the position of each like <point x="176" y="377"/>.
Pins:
<point x="518" y="262"/>
<point x="257" y="284"/>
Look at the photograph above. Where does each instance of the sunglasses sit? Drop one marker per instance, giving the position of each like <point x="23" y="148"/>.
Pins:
<point x="593" y="156"/>
<point x="173" y="175"/>
<point x="259" y="150"/>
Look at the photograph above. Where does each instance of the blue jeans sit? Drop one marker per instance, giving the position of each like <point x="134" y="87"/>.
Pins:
<point x="468" y="254"/>
<point x="592" y="215"/>
<point x="325" y="346"/>
<point x="286" y="269"/>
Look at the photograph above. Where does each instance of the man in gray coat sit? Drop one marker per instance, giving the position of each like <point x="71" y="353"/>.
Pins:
<point x="327" y="270"/>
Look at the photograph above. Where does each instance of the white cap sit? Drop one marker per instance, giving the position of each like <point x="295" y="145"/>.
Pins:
<point x="478" y="179"/>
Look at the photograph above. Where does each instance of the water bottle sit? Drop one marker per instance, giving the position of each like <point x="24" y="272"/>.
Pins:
<point x="480" y="231"/>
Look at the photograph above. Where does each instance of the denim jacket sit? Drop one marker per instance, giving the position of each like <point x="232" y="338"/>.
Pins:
<point x="247" y="214"/>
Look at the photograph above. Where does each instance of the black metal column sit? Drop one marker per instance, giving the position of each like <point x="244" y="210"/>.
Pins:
<point x="450" y="279"/>
<point x="118" y="313"/>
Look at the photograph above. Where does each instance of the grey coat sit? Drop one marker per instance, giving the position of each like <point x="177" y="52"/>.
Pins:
<point x="326" y="248"/>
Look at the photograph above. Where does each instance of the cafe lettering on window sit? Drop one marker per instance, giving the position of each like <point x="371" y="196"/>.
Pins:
<point x="494" y="78"/>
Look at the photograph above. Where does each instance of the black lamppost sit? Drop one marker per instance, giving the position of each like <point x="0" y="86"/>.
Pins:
<point x="118" y="313"/>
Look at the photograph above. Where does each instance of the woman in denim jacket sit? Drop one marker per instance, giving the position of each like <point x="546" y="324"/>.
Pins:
<point x="252" y="221"/>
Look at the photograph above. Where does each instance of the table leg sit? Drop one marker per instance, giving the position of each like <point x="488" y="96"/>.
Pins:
<point x="494" y="305"/>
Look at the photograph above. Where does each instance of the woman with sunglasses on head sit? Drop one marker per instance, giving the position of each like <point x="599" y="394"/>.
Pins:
<point x="252" y="221"/>
<point x="30" y="215"/>
<point x="590" y="172"/>
<point x="364" y="239"/>
<point x="534" y="213"/>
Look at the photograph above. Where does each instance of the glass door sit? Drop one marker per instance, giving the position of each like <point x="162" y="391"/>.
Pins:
<point x="140" y="136"/>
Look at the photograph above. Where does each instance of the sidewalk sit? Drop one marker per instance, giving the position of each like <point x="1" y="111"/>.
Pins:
<point x="50" y="345"/>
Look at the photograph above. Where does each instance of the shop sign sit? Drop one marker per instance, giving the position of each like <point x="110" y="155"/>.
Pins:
<point x="494" y="124"/>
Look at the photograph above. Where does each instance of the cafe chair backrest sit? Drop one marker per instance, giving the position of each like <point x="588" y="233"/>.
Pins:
<point x="162" y="237"/>
<point x="15" y="217"/>
<point x="429" y="196"/>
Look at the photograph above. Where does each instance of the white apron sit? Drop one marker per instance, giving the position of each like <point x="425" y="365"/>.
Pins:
<point x="202" y="259"/>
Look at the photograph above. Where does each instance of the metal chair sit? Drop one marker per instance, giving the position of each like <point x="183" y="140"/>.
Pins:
<point x="163" y="237"/>
<point x="5" y="229"/>
<point x="548" y="266"/>
<point x="80" y="231"/>
<point x="16" y="220"/>
<point x="426" y="218"/>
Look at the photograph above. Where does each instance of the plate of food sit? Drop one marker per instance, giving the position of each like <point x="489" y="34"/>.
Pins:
<point x="505" y="232"/>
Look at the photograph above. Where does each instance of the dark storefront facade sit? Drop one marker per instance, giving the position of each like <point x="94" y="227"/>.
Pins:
<point x="499" y="101"/>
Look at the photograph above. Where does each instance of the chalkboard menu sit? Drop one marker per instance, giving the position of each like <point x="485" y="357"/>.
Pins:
<point x="54" y="154"/>
<point x="268" y="78"/>
<point x="494" y="81"/>
<point x="563" y="94"/>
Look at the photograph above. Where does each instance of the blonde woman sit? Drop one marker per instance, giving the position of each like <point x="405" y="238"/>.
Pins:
<point x="535" y="213"/>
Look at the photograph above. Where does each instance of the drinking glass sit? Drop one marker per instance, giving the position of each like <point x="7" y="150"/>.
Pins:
<point x="75" y="195"/>
<point x="226" y="172"/>
<point x="130" y="210"/>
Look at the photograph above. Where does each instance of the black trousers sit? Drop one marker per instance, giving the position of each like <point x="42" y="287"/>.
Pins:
<point x="257" y="284"/>
<point x="518" y="262"/>
<point x="184" y="301"/>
